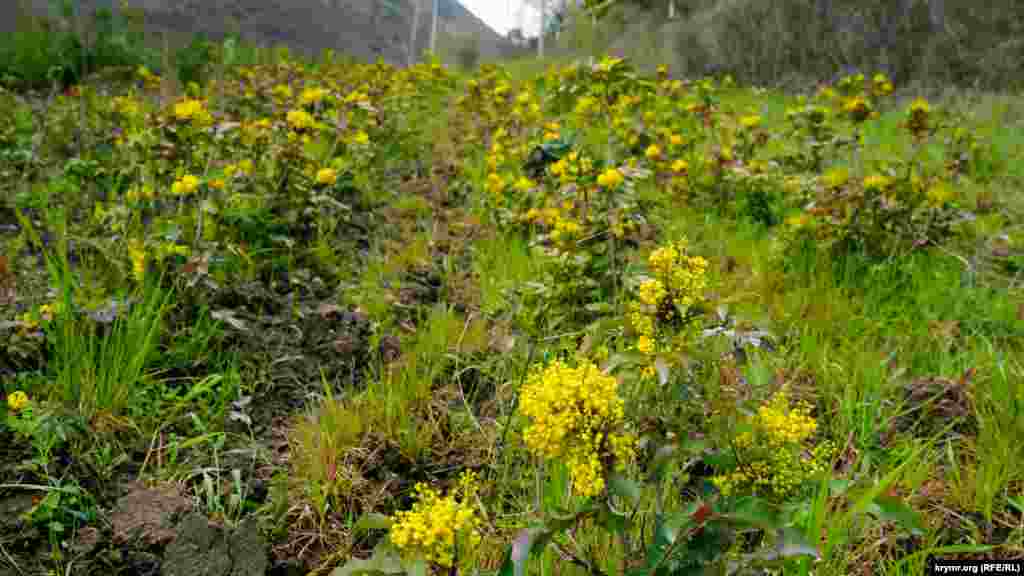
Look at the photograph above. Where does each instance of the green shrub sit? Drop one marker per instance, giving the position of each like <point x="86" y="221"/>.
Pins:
<point x="193" y="62"/>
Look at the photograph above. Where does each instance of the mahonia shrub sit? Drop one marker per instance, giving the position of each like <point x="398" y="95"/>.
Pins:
<point x="577" y="417"/>
<point x="436" y="525"/>
<point x="900" y="206"/>
<point x="775" y="458"/>
<point x="666" y="302"/>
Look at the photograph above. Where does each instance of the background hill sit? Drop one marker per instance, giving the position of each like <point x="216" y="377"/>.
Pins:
<point x="364" y="29"/>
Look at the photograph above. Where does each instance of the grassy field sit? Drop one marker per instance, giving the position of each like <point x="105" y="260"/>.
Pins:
<point x="336" y="318"/>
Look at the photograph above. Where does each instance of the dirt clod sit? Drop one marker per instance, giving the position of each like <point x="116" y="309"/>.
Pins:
<point x="148" y="514"/>
<point x="204" y="549"/>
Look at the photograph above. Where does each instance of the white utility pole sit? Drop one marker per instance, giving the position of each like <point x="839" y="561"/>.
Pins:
<point x="433" y="29"/>
<point x="543" y="16"/>
<point x="412" y="56"/>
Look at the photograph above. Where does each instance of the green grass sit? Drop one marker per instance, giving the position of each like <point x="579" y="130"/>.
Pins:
<point x="442" y="364"/>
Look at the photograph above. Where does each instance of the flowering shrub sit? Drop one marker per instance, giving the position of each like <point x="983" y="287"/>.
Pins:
<point x="576" y="415"/>
<point x="775" y="458"/>
<point x="435" y="524"/>
<point x="665" y="302"/>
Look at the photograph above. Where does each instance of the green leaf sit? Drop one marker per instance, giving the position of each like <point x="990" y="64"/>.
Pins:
<point x="794" y="543"/>
<point x="383" y="562"/>
<point x="416" y="568"/>
<point x="623" y="359"/>
<point x="623" y="487"/>
<point x="611" y="520"/>
<point x="599" y="307"/>
<point x="663" y="455"/>
<point x="896" y="510"/>
<point x="372" y="521"/>
<point x="751" y="511"/>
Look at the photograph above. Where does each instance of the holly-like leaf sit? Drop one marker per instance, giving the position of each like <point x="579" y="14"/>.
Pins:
<point x="373" y="521"/>
<point x="663" y="455"/>
<point x="623" y="487"/>
<point x="612" y="521"/>
<point x="896" y="510"/>
<point x="384" y="562"/>
<point x="793" y="543"/>
<point x="755" y="512"/>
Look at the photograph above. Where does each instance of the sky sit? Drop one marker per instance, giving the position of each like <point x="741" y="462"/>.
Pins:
<point x="502" y="15"/>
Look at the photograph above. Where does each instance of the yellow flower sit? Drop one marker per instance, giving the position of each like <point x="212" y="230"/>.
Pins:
<point x="652" y="291"/>
<point x="653" y="152"/>
<point x="217" y="184"/>
<point x="428" y="531"/>
<point x="282" y="91"/>
<point x="572" y="411"/>
<point x="645" y="344"/>
<point x="312" y="96"/>
<point x="750" y="122"/>
<point x="675" y="140"/>
<point x="940" y="193"/>
<point x="835" y="178"/>
<point x="523" y="184"/>
<point x="610" y="178"/>
<point x="17" y="400"/>
<point x="918" y="120"/>
<point x="495" y="183"/>
<point x="300" y="119"/>
<point x="185" y="186"/>
<point x="361" y="138"/>
<point x="798" y="221"/>
<point x="858" y="108"/>
<point x="680" y="165"/>
<point x="137" y="253"/>
<point x="920" y="106"/>
<point x="327" y="176"/>
<point x="186" y="109"/>
<point x="877" y="183"/>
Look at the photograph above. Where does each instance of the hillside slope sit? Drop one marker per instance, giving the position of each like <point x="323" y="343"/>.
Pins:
<point x="308" y="26"/>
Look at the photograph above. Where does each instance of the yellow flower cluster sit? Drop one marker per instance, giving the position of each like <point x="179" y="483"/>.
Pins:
<point x="146" y="192"/>
<point x="572" y="167"/>
<point x="678" y="281"/>
<point x="137" y="254"/>
<point x="360" y="138"/>
<point x="835" y="178"/>
<point x="575" y="415"/>
<point x="326" y="176"/>
<point x="282" y="92"/>
<point x="313" y="96"/>
<point x="684" y="276"/>
<point x="127" y="106"/>
<point x="877" y="183"/>
<point x="772" y="456"/>
<point x="858" y="108"/>
<point x="242" y="168"/>
<point x="882" y="86"/>
<point x="610" y="178"/>
<point x="17" y="400"/>
<point x="917" y="121"/>
<point x="429" y="531"/>
<point x="300" y="119"/>
<point x="192" y="110"/>
<point x="185" y="185"/>
<point x="940" y="193"/>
